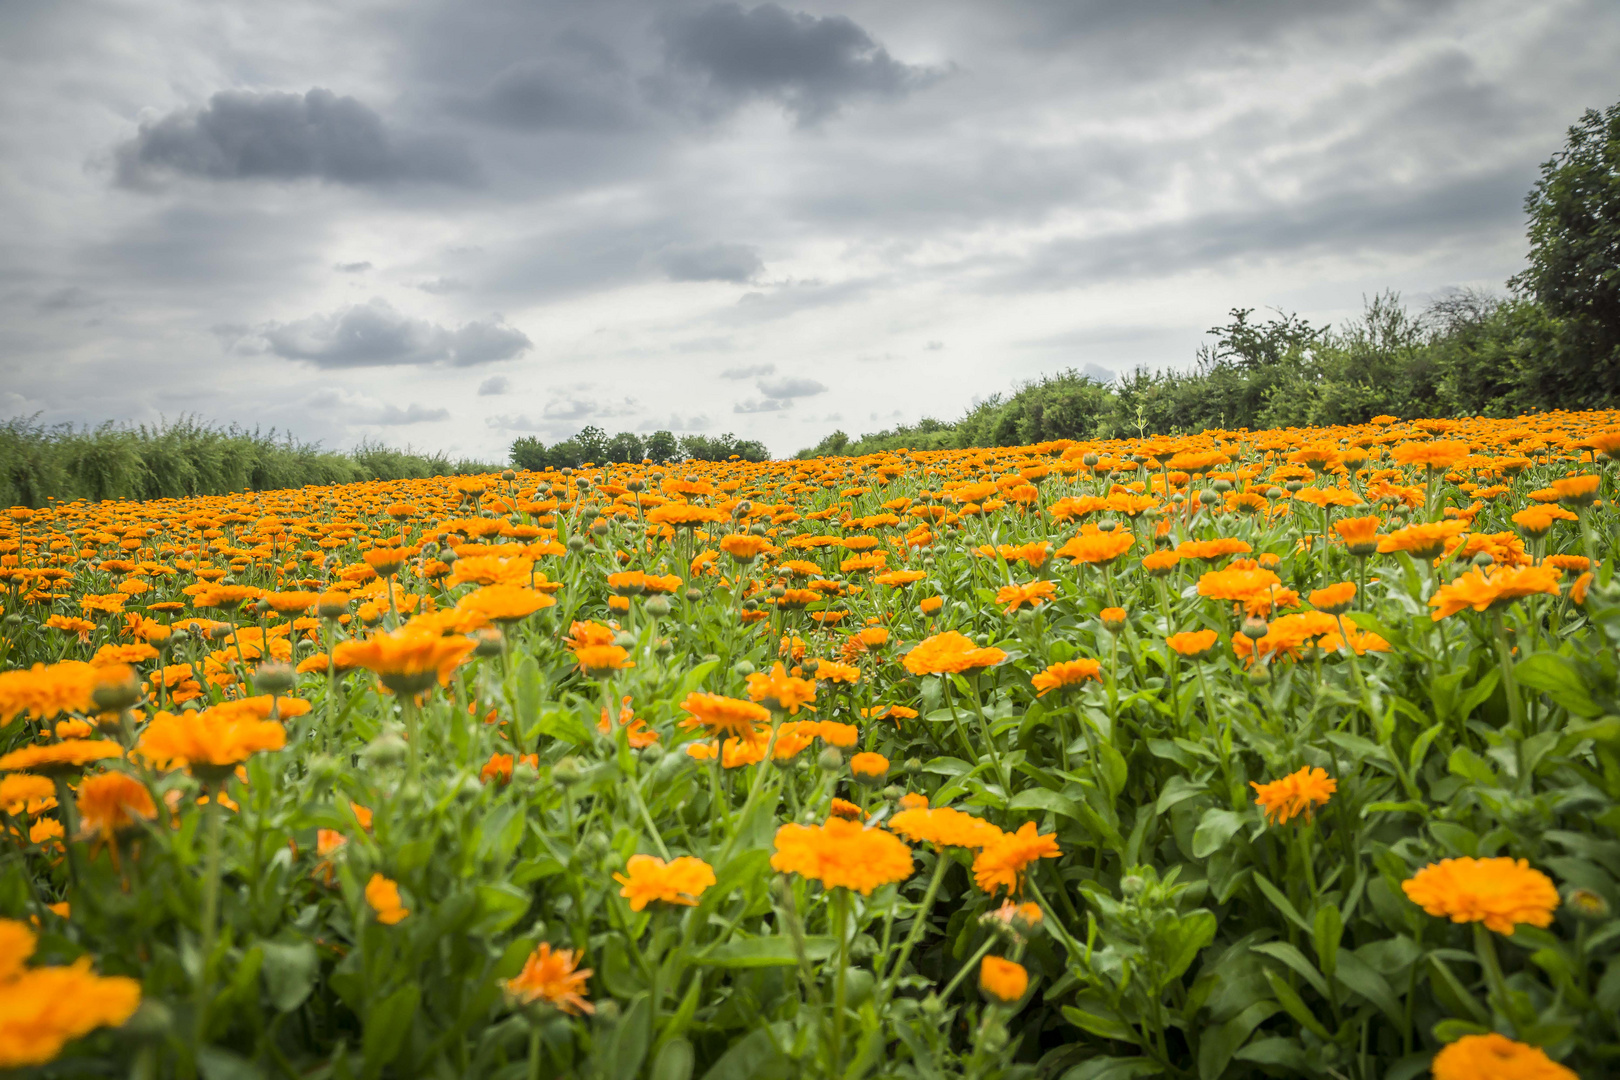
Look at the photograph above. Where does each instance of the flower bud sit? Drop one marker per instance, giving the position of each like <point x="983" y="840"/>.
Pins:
<point x="831" y="760"/>
<point x="1254" y="628"/>
<point x="568" y="771"/>
<point x="386" y="749"/>
<point x="273" y="678"/>
<point x="490" y="639"/>
<point x="656" y="606"/>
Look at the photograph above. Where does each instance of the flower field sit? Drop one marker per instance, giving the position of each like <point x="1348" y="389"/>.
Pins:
<point x="1288" y="753"/>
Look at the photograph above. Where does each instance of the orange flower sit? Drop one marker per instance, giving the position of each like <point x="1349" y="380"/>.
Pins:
<point x="289" y="603"/>
<point x="869" y="766"/>
<point x="950" y="652"/>
<point x="843" y="808"/>
<point x="1160" y="563"/>
<point x="723" y="715"/>
<point x="943" y="826"/>
<point x="1481" y="591"/>
<point x="601" y="661"/>
<point x="581" y="634"/>
<point x="43" y="1009"/>
<point x="680" y="881"/>
<point x="1439" y="455"/>
<point x="1194" y="644"/>
<point x="44" y="692"/>
<point x="1097" y="548"/>
<point x="930" y="604"/>
<point x="1035" y="593"/>
<point x="1501" y="892"/>
<point x="1064" y="674"/>
<point x="842" y="854"/>
<point x="1423" y="541"/>
<point x="780" y="691"/>
<point x="1212" y="549"/>
<point x="383" y="896"/>
<point x="897" y="578"/>
<point x="22" y="794"/>
<point x="1360" y="534"/>
<point x="1004" y="980"/>
<point x="211" y="742"/>
<point x="499" y="766"/>
<point x="61" y="758"/>
<point x="407" y="661"/>
<point x="1299" y="792"/>
<point x="1335" y="599"/>
<point x="1496" y="1057"/>
<point x="1003" y="861"/>
<point x="1239" y="584"/>
<point x="744" y="547"/>
<point x="552" y="976"/>
<point x="111" y="802"/>
<point x="1577" y="491"/>
<point x="504" y="603"/>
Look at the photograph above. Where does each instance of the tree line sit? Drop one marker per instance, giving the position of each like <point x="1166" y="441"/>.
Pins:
<point x="592" y="444"/>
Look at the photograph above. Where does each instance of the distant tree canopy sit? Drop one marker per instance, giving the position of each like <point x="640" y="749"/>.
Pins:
<point x="592" y="444"/>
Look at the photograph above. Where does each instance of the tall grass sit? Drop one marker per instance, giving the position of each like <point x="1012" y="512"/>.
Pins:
<point x="185" y="457"/>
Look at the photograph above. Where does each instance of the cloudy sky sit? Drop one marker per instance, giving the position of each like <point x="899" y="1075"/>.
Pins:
<point x="451" y="223"/>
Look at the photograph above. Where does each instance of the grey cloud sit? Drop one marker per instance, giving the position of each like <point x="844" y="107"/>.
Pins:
<point x="68" y="298"/>
<point x="753" y="371"/>
<point x="375" y="334"/>
<point x="809" y="64"/>
<point x="736" y="263"/>
<point x="494" y="386"/>
<point x="581" y="84"/>
<point x="244" y="135"/>
<point x="934" y="346"/>
<point x="756" y="405"/>
<point x="791" y="388"/>
<point x="440" y="286"/>
<point x="394" y="416"/>
<point x="352" y="268"/>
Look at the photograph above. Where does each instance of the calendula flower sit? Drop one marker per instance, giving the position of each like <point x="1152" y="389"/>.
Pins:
<point x="1002" y="863"/>
<point x="1500" y="892"/>
<point x="111" y="802"/>
<point x="1334" y="599"/>
<point x="407" y="661"/>
<point x="843" y="808"/>
<point x="649" y="878"/>
<point x="43" y="1009"/>
<point x="780" y="691"/>
<point x="1002" y="980"/>
<point x="210" y="742"/>
<point x="1096" y="548"/>
<point x="1238" y="584"/>
<point x="1422" y="541"/>
<point x="1034" y="593"/>
<point x="499" y="766"/>
<point x="1194" y="644"/>
<point x="723" y="715"/>
<point x="1300" y="792"/>
<point x="601" y="661"/>
<point x="60" y="759"/>
<point x="744" y="547"/>
<point x="504" y="603"/>
<point x="1065" y="674"/>
<point x="22" y="794"/>
<point x="1438" y="455"/>
<point x="950" y="652"/>
<point x="1577" y="491"/>
<point x="552" y="976"/>
<point x="1496" y="1057"/>
<point x="1360" y="534"/>
<point x="842" y="854"/>
<point x="942" y="826"/>
<point x="1481" y="590"/>
<point x="869" y="767"/>
<point x="383" y="896"/>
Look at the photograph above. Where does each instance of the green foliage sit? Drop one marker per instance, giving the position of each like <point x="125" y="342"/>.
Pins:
<point x="1574" y="270"/>
<point x="594" y="446"/>
<point x="185" y="458"/>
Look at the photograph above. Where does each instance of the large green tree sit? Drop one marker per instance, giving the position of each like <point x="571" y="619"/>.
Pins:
<point x="1574" y="270"/>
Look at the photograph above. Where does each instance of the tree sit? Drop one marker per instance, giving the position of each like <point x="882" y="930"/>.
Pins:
<point x="529" y="453"/>
<point x="662" y="447"/>
<point x="1574" y="270"/>
<point x="625" y="448"/>
<point x="593" y="444"/>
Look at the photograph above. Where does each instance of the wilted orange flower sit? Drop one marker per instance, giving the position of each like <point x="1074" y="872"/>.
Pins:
<point x="1480" y="590"/>
<point x="680" y="881"/>
<point x="1299" y="792"/>
<point x="780" y="691"/>
<point x="842" y="854"/>
<point x="554" y="977"/>
<point x="1034" y="593"/>
<point x="723" y="715"/>
<point x="950" y="652"/>
<point x="1002" y="863"/>
<point x="1003" y="980"/>
<point x="1496" y="1057"/>
<point x="1500" y="892"/>
<point x="383" y="896"/>
<point x="1065" y="674"/>
<point x="408" y="660"/>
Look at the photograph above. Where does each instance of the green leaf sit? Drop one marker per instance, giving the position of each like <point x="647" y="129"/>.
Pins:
<point x="1179" y="789"/>
<point x="1193" y="932"/>
<point x="1113" y="1068"/>
<point x="673" y="1062"/>
<point x="763" y="952"/>
<point x="1328" y="928"/>
<point x="1214" y="830"/>
<point x="387" y="1024"/>
<point x="1295" y="1006"/>
<point x="1277" y="1052"/>
<point x="1046" y="799"/>
<point x="1280" y="902"/>
<point x="1217" y="1044"/>
<point x="500" y="906"/>
<point x="1281" y="950"/>
<point x="753" y="1057"/>
<point x="526" y="692"/>
<point x="1104" y="1026"/>
<point x="1114" y="769"/>
<point x="1355" y="974"/>
<point x="289" y="973"/>
<point x="630" y="1041"/>
<point x="1559" y="679"/>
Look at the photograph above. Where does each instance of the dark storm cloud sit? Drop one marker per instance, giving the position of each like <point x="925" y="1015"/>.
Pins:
<point x="737" y="263"/>
<point x="375" y="334"/>
<point x="809" y="64"/>
<point x="243" y="135"/>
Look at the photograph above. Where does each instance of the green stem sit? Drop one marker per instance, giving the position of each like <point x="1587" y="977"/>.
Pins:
<point x="918" y="925"/>
<point x="210" y="915"/>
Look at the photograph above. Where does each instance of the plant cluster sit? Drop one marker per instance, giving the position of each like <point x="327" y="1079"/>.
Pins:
<point x="1280" y="753"/>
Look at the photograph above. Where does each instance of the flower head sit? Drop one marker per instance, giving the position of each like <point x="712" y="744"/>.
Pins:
<point x="1064" y="674"/>
<point x="1481" y="591"/>
<point x="780" y="691"/>
<point x="111" y="802"/>
<point x="842" y="854"/>
<point x="943" y="826"/>
<point x="1003" y="980"/>
<point x="408" y="660"/>
<point x="211" y="741"/>
<point x="383" y="896"/>
<point x="61" y="758"/>
<point x="1496" y="1057"/>
<point x="1300" y="792"/>
<point x="1002" y="862"/>
<point x="1500" y="892"/>
<point x="680" y="881"/>
<point x="950" y="652"/>
<point x="723" y="715"/>
<point x="554" y="977"/>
